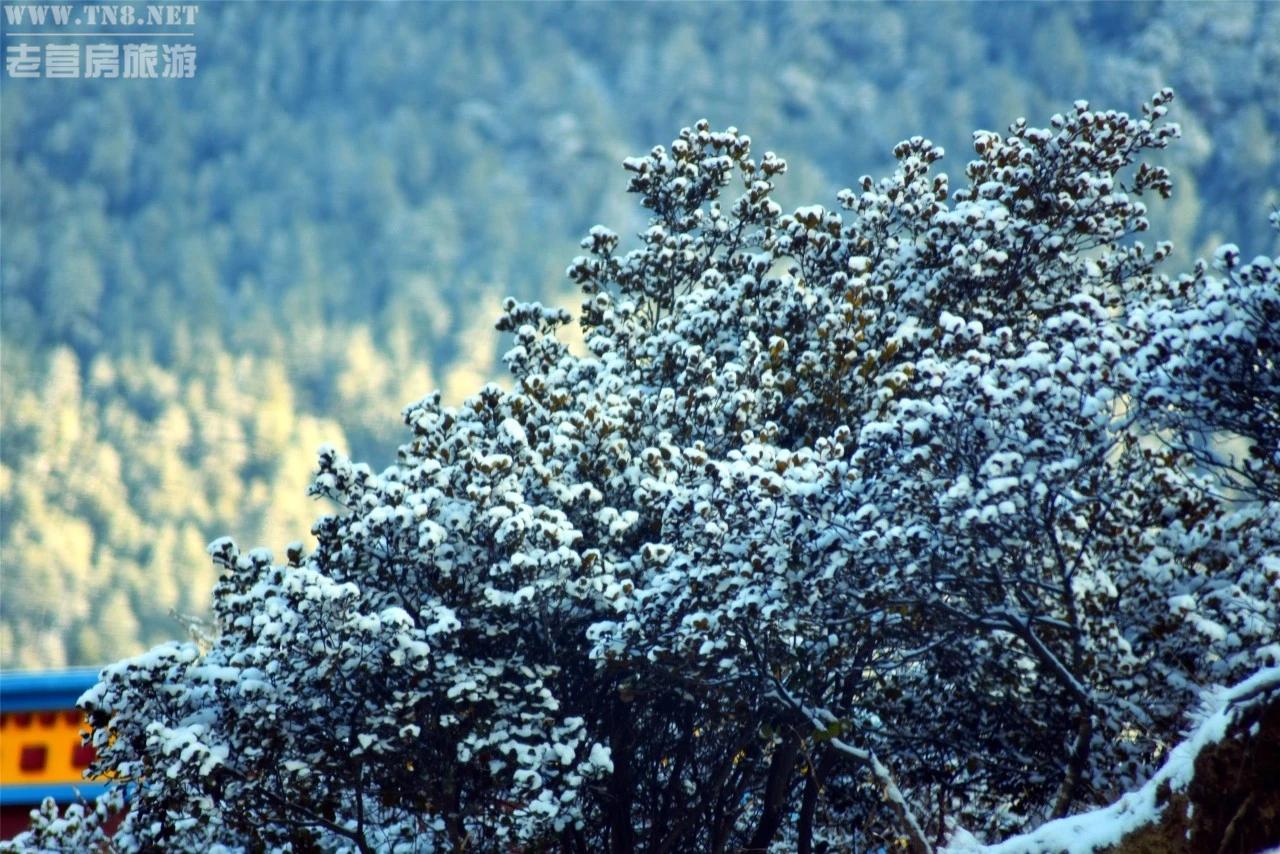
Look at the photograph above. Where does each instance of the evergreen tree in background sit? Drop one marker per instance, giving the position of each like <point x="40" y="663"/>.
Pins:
<point x="888" y="523"/>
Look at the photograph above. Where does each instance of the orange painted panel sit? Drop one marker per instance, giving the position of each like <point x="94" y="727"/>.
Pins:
<point x="42" y="747"/>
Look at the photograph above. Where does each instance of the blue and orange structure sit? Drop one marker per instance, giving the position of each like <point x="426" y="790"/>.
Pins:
<point x="42" y="754"/>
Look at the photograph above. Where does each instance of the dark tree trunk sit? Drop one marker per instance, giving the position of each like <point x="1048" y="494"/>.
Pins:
<point x="809" y="802"/>
<point x="775" y="794"/>
<point x="621" y="786"/>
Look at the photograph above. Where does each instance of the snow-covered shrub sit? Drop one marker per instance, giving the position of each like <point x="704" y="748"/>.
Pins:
<point x="852" y="527"/>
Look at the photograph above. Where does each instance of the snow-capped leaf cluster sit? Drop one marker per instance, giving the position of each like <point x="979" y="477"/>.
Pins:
<point x="1209" y="368"/>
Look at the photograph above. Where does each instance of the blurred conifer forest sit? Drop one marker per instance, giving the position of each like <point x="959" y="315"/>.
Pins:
<point x="203" y="280"/>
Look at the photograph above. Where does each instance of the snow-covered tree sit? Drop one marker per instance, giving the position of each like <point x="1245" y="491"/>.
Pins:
<point x="1210" y="373"/>
<point x="851" y="526"/>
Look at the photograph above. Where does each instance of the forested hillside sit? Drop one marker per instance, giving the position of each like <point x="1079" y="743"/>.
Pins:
<point x="203" y="280"/>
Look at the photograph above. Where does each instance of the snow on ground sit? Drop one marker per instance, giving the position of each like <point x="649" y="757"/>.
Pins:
<point x="1091" y="831"/>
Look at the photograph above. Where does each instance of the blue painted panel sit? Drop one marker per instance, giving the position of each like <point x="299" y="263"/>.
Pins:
<point x="63" y="793"/>
<point x="51" y="690"/>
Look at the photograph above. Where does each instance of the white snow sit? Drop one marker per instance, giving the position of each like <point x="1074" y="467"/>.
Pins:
<point x="1100" y="828"/>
